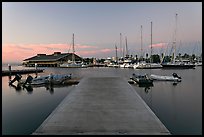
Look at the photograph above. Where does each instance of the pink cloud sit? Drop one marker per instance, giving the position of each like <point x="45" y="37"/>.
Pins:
<point x="106" y="50"/>
<point x="19" y="52"/>
<point x="94" y="52"/>
<point x="78" y="46"/>
<point x="87" y="53"/>
<point x="158" y="45"/>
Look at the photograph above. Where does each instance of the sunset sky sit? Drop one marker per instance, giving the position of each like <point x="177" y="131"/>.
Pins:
<point x="32" y="28"/>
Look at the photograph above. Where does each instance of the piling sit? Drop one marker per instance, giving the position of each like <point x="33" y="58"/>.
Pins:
<point x="36" y="65"/>
<point x="9" y="68"/>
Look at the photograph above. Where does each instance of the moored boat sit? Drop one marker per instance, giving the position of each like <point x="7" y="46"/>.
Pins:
<point x="73" y="64"/>
<point x="48" y="79"/>
<point x="145" y="65"/>
<point x="141" y="79"/>
<point x="174" y="77"/>
<point x="178" y="65"/>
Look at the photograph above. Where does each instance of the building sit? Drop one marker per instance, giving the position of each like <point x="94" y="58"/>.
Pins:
<point x="53" y="60"/>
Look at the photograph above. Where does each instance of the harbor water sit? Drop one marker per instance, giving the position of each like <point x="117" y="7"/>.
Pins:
<point x="179" y="107"/>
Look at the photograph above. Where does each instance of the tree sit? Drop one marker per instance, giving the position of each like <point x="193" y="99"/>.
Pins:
<point x="179" y="55"/>
<point x="162" y="55"/>
<point x="166" y="59"/>
<point x="193" y="56"/>
<point x="136" y="58"/>
<point x="156" y="58"/>
<point x="146" y="57"/>
<point x="185" y="55"/>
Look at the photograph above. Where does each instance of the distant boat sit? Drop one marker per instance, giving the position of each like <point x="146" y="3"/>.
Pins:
<point x="198" y="63"/>
<point x="73" y="64"/>
<point x="174" y="64"/>
<point x="144" y="65"/>
<point x="174" y="77"/>
<point x="127" y="63"/>
<point x="178" y="65"/>
<point x="141" y="79"/>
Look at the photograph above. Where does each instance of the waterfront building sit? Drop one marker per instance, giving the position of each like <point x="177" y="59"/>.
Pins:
<point x="53" y="60"/>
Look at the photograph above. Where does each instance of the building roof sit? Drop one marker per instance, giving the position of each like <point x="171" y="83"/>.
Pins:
<point x="53" y="57"/>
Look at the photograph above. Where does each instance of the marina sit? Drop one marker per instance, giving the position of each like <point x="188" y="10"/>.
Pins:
<point x="75" y="68"/>
<point x="168" y="102"/>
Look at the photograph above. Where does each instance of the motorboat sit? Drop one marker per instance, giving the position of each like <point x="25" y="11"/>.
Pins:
<point x="48" y="79"/>
<point x="59" y="78"/>
<point x="174" y="77"/>
<point x="141" y="79"/>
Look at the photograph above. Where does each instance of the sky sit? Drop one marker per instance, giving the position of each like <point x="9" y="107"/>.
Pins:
<point x="31" y="28"/>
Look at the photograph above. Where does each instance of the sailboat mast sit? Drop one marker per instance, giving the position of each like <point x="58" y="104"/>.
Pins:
<point x="73" y="56"/>
<point x="120" y="45"/>
<point x="141" y="44"/>
<point x="151" y="44"/>
<point x="116" y="54"/>
<point x="175" y="39"/>
<point x="126" y="47"/>
<point x="123" y="51"/>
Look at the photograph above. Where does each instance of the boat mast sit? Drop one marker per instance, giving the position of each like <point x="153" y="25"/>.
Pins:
<point x="151" y="45"/>
<point x="116" y="54"/>
<point x="120" y="45"/>
<point x="123" y="52"/>
<point x="174" y="42"/>
<point x="126" y="47"/>
<point x="73" y="56"/>
<point x="141" y="44"/>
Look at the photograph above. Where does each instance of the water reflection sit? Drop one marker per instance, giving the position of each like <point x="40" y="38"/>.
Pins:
<point x="146" y="87"/>
<point x="19" y="88"/>
<point x="29" y="88"/>
<point x="178" y="106"/>
<point x="50" y="88"/>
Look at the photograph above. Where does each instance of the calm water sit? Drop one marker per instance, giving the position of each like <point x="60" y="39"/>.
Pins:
<point x="178" y="107"/>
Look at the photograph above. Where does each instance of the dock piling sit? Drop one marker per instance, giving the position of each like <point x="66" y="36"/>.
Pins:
<point x="9" y="68"/>
<point x="36" y="65"/>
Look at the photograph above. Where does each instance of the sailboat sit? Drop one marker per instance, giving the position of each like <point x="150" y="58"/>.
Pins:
<point x="127" y="61"/>
<point x="174" y="64"/>
<point x="73" y="64"/>
<point x="145" y="65"/>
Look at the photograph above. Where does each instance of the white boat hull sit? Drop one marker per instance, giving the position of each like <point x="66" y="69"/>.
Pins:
<point x="48" y="79"/>
<point x="147" y="66"/>
<point x="164" y="78"/>
<point x="73" y="65"/>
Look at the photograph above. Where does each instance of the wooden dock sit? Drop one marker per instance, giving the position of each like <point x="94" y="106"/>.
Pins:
<point x="102" y="106"/>
<point x="24" y="71"/>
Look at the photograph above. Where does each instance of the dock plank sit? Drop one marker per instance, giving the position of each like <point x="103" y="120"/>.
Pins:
<point x="102" y="106"/>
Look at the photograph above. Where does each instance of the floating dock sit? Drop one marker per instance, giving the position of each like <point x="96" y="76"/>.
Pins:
<point x="24" y="71"/>
<point x="102" y="106"/>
